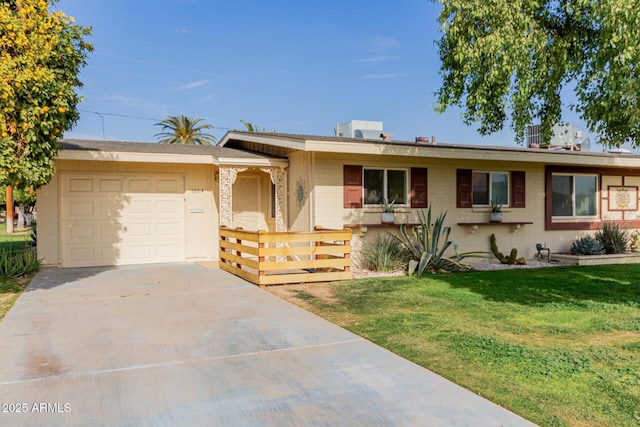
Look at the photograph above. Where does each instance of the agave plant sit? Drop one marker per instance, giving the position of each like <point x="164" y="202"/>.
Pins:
<point x="428" y="243"/>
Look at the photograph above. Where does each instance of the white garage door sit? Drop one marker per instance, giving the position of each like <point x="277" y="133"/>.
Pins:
<point x="115" y="220"/>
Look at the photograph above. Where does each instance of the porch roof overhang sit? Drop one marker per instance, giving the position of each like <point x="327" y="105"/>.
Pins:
<point x="140" y="152"/>
<point x="341" y="145"/>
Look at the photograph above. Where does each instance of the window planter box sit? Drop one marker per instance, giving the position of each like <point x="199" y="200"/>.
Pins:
<point x="630" y="258"/>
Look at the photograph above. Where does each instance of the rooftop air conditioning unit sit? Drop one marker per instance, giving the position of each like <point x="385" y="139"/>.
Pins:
<point x="349" y="129"/>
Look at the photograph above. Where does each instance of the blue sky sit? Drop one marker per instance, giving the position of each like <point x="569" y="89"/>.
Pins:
<point x="293" y="66"/>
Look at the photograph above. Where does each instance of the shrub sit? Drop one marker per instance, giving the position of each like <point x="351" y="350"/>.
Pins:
<point x="587" y="246"/>
<point x="384" y="253"/>
<point x="14" y="263"/>
<point x="614" y="238"/>
<point x="423" y="243"/>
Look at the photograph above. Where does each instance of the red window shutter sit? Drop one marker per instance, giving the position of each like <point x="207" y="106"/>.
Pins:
<point x="352" y="186"/>
<point x="418" y="187"/>
<point x="517" y="189"/>
<point x="464" y="188"/>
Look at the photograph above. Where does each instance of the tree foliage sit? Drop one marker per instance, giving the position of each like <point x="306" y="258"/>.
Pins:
<point x="514" y="57"/>
<point x="41" y="53"/>
<point x="25" y="196"/>
<point x="184" y="130"/>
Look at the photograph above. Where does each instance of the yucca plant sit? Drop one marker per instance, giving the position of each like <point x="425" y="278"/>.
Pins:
<point x="15" y="263"/>
<point x="384" y="253"/>
<point x="428" y="243"/>
<point x="613" y="237"/>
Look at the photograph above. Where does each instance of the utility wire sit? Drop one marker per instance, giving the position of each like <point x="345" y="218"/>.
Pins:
<point x="99" y="113"/>
<point x="120" y="115"/>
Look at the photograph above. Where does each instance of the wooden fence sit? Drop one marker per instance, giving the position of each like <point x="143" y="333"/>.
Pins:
<point x="270" y="258"/>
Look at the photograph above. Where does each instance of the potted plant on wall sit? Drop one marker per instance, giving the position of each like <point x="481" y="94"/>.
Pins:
<point x="496" y="211"/>
<point x="388" y="212"/>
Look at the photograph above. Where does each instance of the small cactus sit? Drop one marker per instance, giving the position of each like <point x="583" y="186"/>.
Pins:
<point x="511" y="259"/>
<point x="587" y="246"/>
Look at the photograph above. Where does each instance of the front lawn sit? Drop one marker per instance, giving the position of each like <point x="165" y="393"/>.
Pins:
<point x="559" y="346"/>
<point x="17" y="240"/>
<point x="10" y="290"/>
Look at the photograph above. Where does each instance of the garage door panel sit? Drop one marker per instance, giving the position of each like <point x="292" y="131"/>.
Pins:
<point x="90" y="255"/>
<point x="168" y="206"/>
<point x="89" y="232"/>
<point x="140" y="253"/>
<point x="168" y="251"/>
<point x="169" y="186"/>
<point x="111" y="206"/>
<point x="110" y="185"/>
<point x="80" y="255"/>
<point x="81" y="232"/>
<point x="139" y="185"/>
<point x="139" y="207"/>
<point x="80" y="208"/>
<point x="169" y="230"/>
<point x="109" y="253"/>
<point x="139" y="231"/>
<point x="108" y="219"/>
<point x="79" y="185"/>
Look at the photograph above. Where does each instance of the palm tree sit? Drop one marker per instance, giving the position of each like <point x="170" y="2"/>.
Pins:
<point x="251" y="127"/>
<point x="254" y="128"/>
<point x="184" y="130"/>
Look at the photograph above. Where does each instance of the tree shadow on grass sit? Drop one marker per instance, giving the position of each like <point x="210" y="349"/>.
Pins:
<point x="615" y="284"/>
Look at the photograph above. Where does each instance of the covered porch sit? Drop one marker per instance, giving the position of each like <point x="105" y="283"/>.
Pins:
<point x="255" y="241"/>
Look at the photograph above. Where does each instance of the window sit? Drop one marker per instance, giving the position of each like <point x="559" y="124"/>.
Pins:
<point x="374" y="184"/>
<point x="479" y="188"/>
<point x="380" y="184"/>
<point x="488" y="186"/>
<point x="574" y="195"/>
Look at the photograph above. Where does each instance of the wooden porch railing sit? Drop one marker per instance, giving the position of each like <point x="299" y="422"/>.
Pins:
<point x="270" y="258"/>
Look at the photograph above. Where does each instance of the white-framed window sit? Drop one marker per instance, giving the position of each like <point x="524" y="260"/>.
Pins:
<point x="381" y="184"/>
<point x="574" y="195"/>
<point x="488" y="186"/>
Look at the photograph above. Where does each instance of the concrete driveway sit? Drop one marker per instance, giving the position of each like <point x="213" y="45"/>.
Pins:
<point x="178" y="344"/>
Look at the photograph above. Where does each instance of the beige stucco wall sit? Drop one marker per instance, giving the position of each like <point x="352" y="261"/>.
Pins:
<point x="329" y="211"/>
<point x="201" y="216"/>
<point x="252" y="201"/>
<point x="300" y="175"/>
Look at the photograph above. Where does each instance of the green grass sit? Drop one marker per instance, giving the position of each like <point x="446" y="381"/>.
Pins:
<point x="10" y="290"/>
<point x="559" y="346"/>
<point x="16" y="240"/>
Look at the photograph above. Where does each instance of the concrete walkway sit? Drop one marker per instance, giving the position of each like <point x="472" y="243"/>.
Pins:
<point x="178" y="344"/>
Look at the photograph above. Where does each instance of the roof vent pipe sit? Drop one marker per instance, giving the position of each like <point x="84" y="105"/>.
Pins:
<point x="433" y="140"/>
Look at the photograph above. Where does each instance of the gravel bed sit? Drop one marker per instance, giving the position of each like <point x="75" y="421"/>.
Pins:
<point x="480" y="266"/>
<point x="532" y="263"/>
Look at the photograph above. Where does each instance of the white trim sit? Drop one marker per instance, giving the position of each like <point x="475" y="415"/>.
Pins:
<point x="204" y="159"/>
<point x="480" y="205"/>
<point x="385" y="186"/>
<point x="573" y="215"/>
<point x="223" y="161"/>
